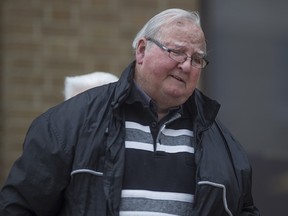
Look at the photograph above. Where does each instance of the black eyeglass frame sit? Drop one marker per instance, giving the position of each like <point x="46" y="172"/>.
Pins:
<point x="164" y="48"/>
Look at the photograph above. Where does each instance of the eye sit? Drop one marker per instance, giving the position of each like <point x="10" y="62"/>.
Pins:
<point x="198" y="60"/>
<point x="176" y="53"/>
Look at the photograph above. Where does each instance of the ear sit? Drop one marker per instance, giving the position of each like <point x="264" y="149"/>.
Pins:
<point x="140" y="50"/>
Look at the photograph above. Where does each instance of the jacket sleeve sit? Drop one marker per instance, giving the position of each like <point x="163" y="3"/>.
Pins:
<point x="250" y="211"/>
<point x="37" y="180"/>
<point x="248" y="208"/>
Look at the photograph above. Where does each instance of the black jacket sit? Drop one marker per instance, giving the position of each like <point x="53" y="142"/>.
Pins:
<point x="73" y="160"/>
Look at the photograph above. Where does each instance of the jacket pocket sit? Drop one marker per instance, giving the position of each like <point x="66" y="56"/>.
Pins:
<point x="215" y="195"/>
<point x="85" y="193"/>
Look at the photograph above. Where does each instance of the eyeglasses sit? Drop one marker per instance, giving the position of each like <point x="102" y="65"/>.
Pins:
<point x="196" y="61"/>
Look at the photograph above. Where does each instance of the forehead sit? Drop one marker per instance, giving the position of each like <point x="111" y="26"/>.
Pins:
<point x="182" y="32"/>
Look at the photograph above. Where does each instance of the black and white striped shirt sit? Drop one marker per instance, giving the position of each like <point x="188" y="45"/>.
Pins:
<point x="159" y="161"/>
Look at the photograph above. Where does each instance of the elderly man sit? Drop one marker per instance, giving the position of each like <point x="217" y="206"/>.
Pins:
<point x="149" y="144"/>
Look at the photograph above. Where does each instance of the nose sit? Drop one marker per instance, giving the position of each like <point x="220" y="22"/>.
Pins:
<point x="186" y="66"/>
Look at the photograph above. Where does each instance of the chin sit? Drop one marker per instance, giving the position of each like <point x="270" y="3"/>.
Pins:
<point x="177" y="100"/>
<point x="178" y="95"/>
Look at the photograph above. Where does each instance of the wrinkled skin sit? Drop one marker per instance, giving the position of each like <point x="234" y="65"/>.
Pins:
<point x="166" y="81"/>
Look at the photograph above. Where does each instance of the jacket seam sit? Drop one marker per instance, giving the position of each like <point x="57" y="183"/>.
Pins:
<point x="53" y="129"/>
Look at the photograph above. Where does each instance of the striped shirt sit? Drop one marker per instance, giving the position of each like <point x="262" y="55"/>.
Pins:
<point x="159" y="174"/>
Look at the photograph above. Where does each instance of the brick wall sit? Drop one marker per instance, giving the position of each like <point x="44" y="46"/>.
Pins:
<point x="44" y="41"/>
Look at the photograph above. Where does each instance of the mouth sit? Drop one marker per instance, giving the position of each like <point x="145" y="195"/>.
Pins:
<point x="177" y="78"/>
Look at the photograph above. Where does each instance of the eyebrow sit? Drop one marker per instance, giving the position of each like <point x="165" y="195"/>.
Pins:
<point x="200" y="52"/>
<point x="179" y="46"/>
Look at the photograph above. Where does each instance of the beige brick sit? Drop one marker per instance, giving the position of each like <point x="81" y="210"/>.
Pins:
<point x="44" y="41"/>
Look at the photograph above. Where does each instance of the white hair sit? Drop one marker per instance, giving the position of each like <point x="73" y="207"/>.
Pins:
<point x="153" y="26"/>
<point x="74" y="85"/>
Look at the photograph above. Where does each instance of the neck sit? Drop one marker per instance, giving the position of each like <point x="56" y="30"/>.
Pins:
<point x="162" y="113"/>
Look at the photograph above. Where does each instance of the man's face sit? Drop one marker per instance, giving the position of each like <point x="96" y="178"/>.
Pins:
<point x="167" y="82"/>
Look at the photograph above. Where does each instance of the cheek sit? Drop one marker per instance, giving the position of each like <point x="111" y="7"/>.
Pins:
<point x="157" y="67"/>
<point x="193" y="80"/>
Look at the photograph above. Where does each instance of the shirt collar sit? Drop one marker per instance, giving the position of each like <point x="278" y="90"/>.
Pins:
<point x="138" y="95"/>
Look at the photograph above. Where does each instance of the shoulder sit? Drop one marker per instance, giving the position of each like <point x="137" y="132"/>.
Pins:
<point x="235" y="148"/>
<point x="75" y="112"/>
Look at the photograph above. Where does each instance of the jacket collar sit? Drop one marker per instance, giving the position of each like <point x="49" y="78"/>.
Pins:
<point x="124" y="85"/>
<point x="204" y="109"/>
<point x="200" y="106"/>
